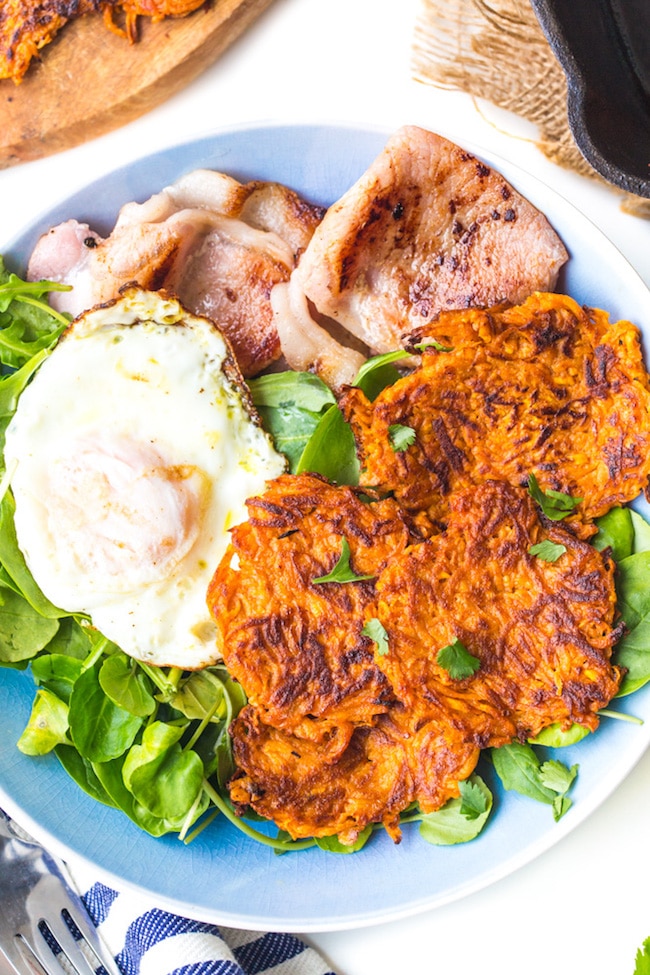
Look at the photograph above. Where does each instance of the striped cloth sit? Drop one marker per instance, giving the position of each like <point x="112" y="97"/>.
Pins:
<point x="146" y="940"/>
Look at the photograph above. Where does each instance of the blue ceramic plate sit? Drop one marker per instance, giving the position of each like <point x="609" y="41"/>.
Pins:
<point x="222" y="876"/>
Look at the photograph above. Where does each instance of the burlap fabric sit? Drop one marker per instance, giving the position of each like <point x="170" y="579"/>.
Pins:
<point x="496" y="50"/>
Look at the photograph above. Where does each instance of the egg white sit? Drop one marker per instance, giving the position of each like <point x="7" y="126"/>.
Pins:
<point x="133" y="451"/>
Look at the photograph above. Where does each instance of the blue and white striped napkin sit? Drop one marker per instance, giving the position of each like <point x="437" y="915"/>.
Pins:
<point x="146" y="940"/>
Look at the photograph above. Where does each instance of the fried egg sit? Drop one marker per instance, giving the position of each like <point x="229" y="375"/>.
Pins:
<point x="132" y="452"/>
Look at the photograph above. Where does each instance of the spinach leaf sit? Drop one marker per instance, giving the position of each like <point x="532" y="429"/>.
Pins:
<point x="109" y="775"/>
<point x="13" y="562"/>
<point x="331" y="450"/>
<point x="641" y="532"/>
<point x="100" y="729"/>
<point x="616" y="532"/>
<point x="378" y="372"/>
<point x="126" y="685"/>
<point x="554" y="737"/>
<point x="332" y="844"/>
<point x="633" y="650"/>
<point x="291" y="405"/>
<point x="58" y="672"/>
<point x="23" y="631"/>
<point x="47" y="725"/>
<point x="460" y="820"/>
<point x="163" y="778"/>
<point x="81" y="771"/>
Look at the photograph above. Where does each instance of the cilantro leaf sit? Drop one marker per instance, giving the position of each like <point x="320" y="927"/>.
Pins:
<point x="555" y="504"/>
<point x="401" y="437"/>
<point x="556" y="776"/>
<point x="547" y="550"/>
<point x="474" y="801"/>
<point x="342" y="571"/>
<point x="375" y="631"/>
<point x="432" y="344"/>
<point x="457" y="661"/>
<point x="459" y="820"/>
<point x="642" y="961"/>
<point x="520" y="770"/>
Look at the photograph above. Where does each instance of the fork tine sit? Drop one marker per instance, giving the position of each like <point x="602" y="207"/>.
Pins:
<point x="47" y="903"/>
<point x="70" y="947"/>
<point x="17" y="958"/>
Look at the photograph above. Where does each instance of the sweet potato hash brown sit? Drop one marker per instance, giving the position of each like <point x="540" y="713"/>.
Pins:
<point x="295" y="646"/>
<point x="543" y="631"/>
<point x="545" y="387"/>
<point x="337" y="735"/>
<point x="383" y="769"/>
<point x="27" y="26"/>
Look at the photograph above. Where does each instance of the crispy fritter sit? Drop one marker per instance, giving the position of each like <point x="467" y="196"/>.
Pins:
<point x="545" y="387"/>
<point x="543" y="631"/>
<point x="296" y="646"/>
<point x="27" y="26"/>
<point x="380" y="773"/>
<point x="334" y="737"/>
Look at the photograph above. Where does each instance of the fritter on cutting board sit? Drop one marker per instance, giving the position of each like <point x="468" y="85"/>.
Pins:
<point x="27" y="26"/>
<point x="545" y="388"/>
<point x="296" y="645"/>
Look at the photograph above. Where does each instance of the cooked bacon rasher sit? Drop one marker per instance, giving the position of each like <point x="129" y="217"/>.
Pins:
<point x="545" y="388"/>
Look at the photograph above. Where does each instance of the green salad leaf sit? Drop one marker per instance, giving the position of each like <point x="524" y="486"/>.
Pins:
<point x="547" y="550"/>
<point x="378" y="372"/>
<point x="556" y="505"/>
<point x="331" y="450"/>
<point x="375" y="631"/>
<point x="642" y="960"/>
<point x="342" y="571"/>
<point x="291" y="405"/>
<point x="460" y="820"/>
<point x="456" y="659"/>
<point x="521" y="770"/>
<point x="401" y="437"/>
<point x="28" y="325"/>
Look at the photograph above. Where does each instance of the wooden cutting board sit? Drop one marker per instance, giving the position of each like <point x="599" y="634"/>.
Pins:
<point x="89" y="80"/>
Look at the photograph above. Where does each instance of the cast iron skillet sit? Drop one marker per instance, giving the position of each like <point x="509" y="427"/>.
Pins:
<point x="604" y="49"/>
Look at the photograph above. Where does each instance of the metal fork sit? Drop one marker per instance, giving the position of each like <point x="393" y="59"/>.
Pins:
<point x="44" y="927"/>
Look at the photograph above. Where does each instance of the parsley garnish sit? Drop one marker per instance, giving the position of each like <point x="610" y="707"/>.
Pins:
<point x="457" y="661"/>
<point x="400" y="437"/>
<point x="342" y="571"/>
<point x="547" y="550"/>
<point x="375" y="631"/>
<point x="555" y="504"/>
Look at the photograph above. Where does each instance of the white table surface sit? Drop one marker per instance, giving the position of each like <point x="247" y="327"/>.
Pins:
<point x="583" y="906"/>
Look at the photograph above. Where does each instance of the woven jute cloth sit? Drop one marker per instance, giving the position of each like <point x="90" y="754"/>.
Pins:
<point x="496" y="51"/>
